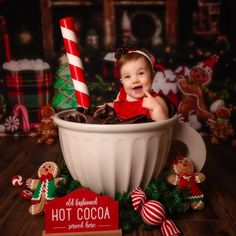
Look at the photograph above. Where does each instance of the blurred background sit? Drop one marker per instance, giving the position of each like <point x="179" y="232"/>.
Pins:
<point x="154" y="24"/>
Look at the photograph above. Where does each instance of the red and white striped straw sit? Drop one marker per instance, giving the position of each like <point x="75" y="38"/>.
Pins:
<point x="76" y="67"/>
<point x="3" y="28"/>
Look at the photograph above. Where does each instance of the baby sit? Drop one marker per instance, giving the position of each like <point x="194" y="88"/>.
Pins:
<point x="136" y="96"/>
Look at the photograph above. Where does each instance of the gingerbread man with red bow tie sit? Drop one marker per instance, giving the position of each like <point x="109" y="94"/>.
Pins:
<point x="183" y="176"/>
<point x="44" y="187"/>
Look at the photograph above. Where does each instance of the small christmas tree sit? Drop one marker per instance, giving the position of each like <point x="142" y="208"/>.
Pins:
<point x="64" y="97"/>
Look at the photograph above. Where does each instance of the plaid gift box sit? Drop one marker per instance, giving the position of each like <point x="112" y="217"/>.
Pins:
<point x="32" y="88"/>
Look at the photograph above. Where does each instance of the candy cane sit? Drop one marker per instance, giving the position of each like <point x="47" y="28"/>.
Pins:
<point x="75" y="63"/>
<point x="24" y="113"/>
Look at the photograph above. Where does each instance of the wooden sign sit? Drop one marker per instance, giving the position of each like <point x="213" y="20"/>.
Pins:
<point x="81" y="211"/>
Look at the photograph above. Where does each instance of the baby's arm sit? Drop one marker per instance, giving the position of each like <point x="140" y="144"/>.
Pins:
<point x="157" y="107"/>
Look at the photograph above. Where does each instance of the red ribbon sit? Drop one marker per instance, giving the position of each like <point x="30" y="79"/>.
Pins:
<point x="48" y="177"/>
<point x="153" y="213"/>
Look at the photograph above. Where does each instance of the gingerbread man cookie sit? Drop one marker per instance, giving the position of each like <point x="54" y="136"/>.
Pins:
<point x="44" y="187"/>
<point x="220" y="126"/>
<point x="185" y="177"/>
<point x="191" y="87"/>
<point x="47" y="129"/>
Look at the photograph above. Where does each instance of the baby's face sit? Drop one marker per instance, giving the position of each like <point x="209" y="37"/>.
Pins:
<point x="136" y="78"/>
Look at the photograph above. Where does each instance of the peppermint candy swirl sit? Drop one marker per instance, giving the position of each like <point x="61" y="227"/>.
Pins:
<point x="12" y="123"/>
<point x="153" y="213"/>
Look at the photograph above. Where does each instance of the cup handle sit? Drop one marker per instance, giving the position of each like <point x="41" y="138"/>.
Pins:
<point x="194" y="142"/>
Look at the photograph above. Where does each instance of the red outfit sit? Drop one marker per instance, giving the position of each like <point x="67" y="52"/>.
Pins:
<point x="127" y="109"/>
<point x="188" y="181"/>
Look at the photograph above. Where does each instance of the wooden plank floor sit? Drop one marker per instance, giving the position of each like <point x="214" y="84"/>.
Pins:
<point x="22" y="156"/>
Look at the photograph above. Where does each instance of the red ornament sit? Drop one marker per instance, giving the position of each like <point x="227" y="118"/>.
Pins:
<point x="17" y="181"/>
<point x="26" y="194"/>
<point x="153" y="213"/>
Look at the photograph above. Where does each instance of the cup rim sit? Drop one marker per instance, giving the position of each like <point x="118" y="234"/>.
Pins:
<point x="110" y="128"/>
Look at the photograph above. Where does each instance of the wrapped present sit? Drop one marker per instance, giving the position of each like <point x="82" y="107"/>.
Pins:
<point x="28" y="82"/>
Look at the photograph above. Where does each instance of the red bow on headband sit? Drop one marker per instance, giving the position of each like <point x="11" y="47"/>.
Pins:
<point x="153" y="213"/>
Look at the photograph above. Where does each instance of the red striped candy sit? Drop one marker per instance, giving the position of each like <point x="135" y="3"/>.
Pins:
<point x="73" y="55"/>
<point x="153" y="213"/>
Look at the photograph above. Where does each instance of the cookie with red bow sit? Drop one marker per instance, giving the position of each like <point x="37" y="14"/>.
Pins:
<point x="220" y="126"/>
<point x="47" y="130"/>
<point x="183" y="176"/>
<point x="45" y="186"/>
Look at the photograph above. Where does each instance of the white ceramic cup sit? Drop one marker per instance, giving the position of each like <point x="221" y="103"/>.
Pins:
<point x="117" y="158"/>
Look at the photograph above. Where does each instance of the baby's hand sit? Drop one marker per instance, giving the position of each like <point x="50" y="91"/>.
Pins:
<point x="150" y="102"/>
<point x="157" y="107"/>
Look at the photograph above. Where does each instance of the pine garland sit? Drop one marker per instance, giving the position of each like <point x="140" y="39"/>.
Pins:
<point x="71" y="184"/>
<point x="172" y="198"/>
<point x="129" y="219"/>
